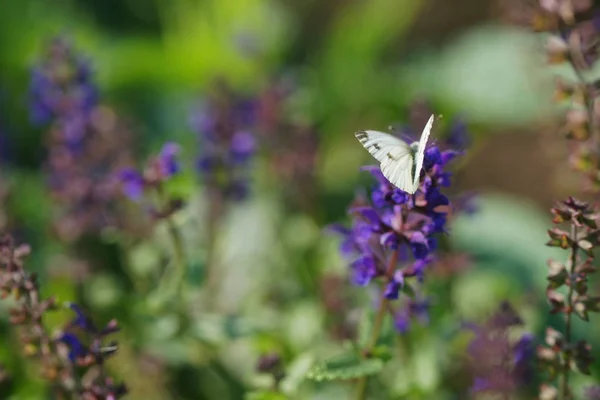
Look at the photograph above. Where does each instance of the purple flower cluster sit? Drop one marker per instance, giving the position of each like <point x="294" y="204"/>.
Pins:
<point x="73" y="362"/>
<point x="224" y="125"/>
<point x="85" y="142"/>
<point x="499" y="365"/>
<point x="291" y="142"/>
<point x="401" y="223"/>
<point x="86" y="349"/>
<point x="592" y="393"/>
<point x="158" y="170"/>
<point x="62" y="89"/>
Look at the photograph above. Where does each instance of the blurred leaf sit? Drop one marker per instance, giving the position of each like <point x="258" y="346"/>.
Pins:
<point x="345" y="366"/>
<point x="144" y="259"/>
<point x="509" y="235"/>
<point x="295" y="373"/>
<point x="491" y="72"/>
<point x="103" y="290"/>
<point x="265" y="395"/>
<point x="382" y="352"/>
<point x="215" y="328"/>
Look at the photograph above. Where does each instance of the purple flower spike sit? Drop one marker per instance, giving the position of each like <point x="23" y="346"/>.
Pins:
<point x="133" y="183"/>
<point x="364" y="270"/>
<point x="167" y="157"/>
<point x="242" y="147"/>
<point x="401" y="228"/>
<point x="393" y="287"/>
<point x="81" y="320"/>
<point x="76" y="348"/>
<point x="224" y="123"/>
<point x="402" y="322"/>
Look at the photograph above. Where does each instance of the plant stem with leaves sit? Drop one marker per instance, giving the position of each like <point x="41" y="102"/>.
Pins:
<point x="377" y="325"/>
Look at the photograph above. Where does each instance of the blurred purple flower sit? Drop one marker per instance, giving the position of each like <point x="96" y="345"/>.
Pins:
<point x="158" y="170"/>
<point x="592" y="393"/>
<point x="86" y="140"/>
<point x="132" y="183"/>
<point x="458" y="135"/>
<point x="62" y="88"/>
<point x="224" y="124"/>
<point x="168" y="164"/>
<point x="499" y="365"/>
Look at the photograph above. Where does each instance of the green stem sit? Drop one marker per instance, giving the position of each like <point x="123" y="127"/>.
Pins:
<point x="564" y="381"/>
<point x="361" y="389"/>
<point x="179" y="264"/>
<point x="215" y="208"/>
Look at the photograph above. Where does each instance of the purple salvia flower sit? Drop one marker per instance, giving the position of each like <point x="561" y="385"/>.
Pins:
<point x="500" y="366"/>
<point x="87" y="142"/>
<point x="132" y="183"/>
<point x="399" y="222"/>
<point x="158" y="170"/>
<point x="224" y="124"/>
<point x="167" y="162"/>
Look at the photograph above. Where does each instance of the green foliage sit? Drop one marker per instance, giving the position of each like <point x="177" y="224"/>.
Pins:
<point x="345" y="366"/>
<point x="265" y="395"/>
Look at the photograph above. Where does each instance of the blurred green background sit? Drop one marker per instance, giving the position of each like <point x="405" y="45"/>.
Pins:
<point x="358" y="65"/>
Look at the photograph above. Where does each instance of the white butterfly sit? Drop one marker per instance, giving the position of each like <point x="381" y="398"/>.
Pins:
<point x="401" y="163"/>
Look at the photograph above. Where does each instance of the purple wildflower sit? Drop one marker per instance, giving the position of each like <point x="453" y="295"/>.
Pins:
<point x="592" y="393"/>
<point x="291" y="144"/>
<point x="158" y="170"/>
<point x="86" y="142"/>
<point x="132" y="183"/>
<point x="499" y="365"/>
<point x="224" y="125"/>
<point x="167" y="162"/>
<point x="62" y="88"/>
<point x="402" y="223"/>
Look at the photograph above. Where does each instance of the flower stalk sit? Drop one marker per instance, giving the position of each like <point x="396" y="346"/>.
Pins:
<point x="377" y="325"/>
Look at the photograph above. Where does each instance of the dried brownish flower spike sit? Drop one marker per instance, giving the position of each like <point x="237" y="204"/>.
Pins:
<point x="72" y="363"/>
<point x="574" y="37"/>
<point x="562" y="354"/>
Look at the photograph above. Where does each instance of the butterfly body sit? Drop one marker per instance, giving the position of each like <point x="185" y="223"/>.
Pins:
<point x="401" y="163"/>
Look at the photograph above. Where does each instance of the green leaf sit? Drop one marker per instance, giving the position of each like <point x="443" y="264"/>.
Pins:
<point x="382" y="352"/>
<point x="408" y="290"/>
<point x="345" y="366"/>
<point x="592" y="303"/>
<point x="265" y="395"/>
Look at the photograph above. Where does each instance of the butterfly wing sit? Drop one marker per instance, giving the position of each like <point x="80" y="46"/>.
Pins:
<point x="394" y="155"/>
<point x="420" y="155"/>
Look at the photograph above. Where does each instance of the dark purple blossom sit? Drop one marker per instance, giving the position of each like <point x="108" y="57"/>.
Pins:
<point x="86" y="142"/>
<point x="63" y="88"/>
<point x="158" y="170"/>
<point x="458" y="135"/>
<point x="132" y="183"/>
<point x="364" y="269"/>
<point x="167" y="162"/>
<point x="224" y="124"/>
<point x="397" y="222"/>
<point x="499" y="365"/>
